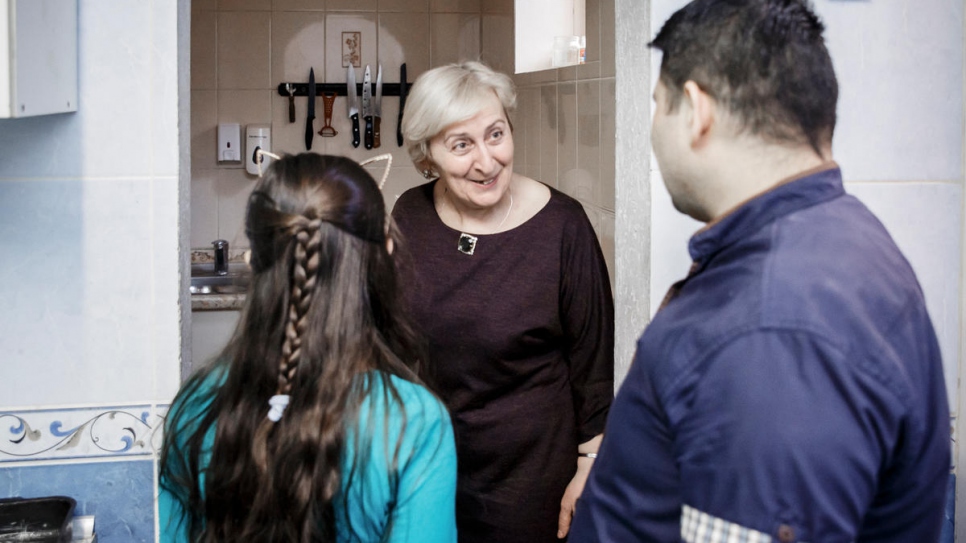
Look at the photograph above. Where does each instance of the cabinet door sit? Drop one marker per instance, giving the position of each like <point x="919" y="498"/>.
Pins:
<point x="210" y="332"/>
<point x="38" y="75"/>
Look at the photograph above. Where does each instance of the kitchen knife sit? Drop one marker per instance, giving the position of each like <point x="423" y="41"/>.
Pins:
<point x="309" y="131"/>
<point x="352" y="104"/>
<point x="367" y="107"/>
<point x="377" y="109"/>
<point x="403" y="89"/>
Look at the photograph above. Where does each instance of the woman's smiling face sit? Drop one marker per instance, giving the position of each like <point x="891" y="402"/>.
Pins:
<point x="474" y="158"/>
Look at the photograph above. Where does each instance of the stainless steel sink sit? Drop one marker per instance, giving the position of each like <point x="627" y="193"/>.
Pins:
<point x="204" y="280"/>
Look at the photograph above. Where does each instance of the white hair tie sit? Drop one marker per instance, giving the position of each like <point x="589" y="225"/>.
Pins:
<point x="278" y="402"/>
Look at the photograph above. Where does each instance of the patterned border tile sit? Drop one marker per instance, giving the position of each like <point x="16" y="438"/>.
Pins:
<point x="81" y="433"/>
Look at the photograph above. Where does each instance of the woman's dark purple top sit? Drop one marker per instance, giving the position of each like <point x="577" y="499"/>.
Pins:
<point x="521" y="349"/>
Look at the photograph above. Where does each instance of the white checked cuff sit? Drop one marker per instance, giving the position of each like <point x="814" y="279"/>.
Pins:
<point x="700" y="527"/>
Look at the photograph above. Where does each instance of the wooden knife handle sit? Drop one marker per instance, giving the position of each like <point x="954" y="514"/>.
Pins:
<point x="290" y="89"/>
<point x="376" y="121"/>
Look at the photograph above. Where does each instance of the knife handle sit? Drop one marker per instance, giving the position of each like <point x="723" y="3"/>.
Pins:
<point x="309" y="131"/>
<point x="403" y="91"/>
<point x="355" y="129"/>
<point x="399" y="134"/>
<point x="368" y="132"/>
<point x="376" y="122"/>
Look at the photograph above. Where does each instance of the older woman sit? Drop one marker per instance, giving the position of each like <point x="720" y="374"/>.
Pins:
<point x="507" y="280"/>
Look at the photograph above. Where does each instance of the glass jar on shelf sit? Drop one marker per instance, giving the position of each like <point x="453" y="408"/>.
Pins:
<point x="566" y="51"/>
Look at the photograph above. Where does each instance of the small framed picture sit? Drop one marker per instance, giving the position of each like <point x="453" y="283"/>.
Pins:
<point x="352" y="49"/>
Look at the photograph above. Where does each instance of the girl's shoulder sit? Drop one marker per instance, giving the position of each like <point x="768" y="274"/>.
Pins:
<point x="195" y="397"/>
<point x="415" y="399"/>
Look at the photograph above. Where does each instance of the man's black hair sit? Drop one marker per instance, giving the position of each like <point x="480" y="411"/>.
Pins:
<point x="765" y="61"/>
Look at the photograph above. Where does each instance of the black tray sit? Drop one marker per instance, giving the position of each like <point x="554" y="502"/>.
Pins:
<point x="37" y="520"/>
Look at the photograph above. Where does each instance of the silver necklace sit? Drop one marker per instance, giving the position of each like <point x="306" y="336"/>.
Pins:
<point x="467" y="242"/>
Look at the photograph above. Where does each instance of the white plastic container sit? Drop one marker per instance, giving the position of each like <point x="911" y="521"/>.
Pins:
<point x="566" y="51"/>
<point x="257" y="136"/>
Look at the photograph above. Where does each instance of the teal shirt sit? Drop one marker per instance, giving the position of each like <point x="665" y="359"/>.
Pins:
<point x="425" y="506"/>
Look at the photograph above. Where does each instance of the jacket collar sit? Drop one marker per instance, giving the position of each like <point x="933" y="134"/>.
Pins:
<point x="788" y="196"/>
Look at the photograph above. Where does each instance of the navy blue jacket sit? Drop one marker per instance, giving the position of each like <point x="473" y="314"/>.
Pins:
<point x="792" y="389"/>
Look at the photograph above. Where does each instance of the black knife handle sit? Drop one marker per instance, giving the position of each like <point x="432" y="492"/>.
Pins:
<point x="368" y="139"/>
<point x="403" y="90"/>
<point x="402" y="109"/>
<point x="376" y="136"/>
<point x="291" y="108"/>
<point x="355" y="129"/>
<point x="309" y="131"/>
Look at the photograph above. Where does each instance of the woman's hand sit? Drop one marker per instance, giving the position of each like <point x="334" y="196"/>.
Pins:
<point x="568" y="504"/>
<point x="574" y="490"/>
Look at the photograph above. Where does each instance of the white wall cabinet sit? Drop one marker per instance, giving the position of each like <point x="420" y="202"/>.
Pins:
<point x="38" y="57"/>
<point x="536" y="25"/>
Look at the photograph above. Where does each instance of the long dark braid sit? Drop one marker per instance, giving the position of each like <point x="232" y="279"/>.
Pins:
<point x="305" y="234"/>
<point x="304" y="274"/>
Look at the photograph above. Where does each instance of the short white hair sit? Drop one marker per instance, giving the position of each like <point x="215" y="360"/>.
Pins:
<point x="447" y="95"/>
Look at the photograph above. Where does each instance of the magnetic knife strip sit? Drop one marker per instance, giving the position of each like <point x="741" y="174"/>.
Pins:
<point x="302" y="89"/>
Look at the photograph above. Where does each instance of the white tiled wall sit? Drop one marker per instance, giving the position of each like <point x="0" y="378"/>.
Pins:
<point x="242" y="49"/>
<point x="900" y="74"/>
<point x="89" y="229"/>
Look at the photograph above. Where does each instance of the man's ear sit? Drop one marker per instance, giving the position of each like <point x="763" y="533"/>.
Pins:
<point x="703" y="112"/>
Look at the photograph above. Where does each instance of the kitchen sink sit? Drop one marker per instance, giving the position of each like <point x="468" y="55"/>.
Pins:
<point x="204" y="280"/>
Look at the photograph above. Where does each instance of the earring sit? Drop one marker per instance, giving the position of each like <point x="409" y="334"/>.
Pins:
<point x="427" y="174"/>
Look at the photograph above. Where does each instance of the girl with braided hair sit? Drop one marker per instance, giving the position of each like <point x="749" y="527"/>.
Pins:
<point x="312" y="425"/>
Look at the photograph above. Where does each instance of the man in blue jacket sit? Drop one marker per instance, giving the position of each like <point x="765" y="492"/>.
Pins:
<point x="791" y="387"/>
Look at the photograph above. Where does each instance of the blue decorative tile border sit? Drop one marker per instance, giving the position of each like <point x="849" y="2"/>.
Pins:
<point x="97" y="432"/>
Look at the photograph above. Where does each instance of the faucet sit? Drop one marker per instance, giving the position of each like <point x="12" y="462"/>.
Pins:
<point x="221" y="256"/>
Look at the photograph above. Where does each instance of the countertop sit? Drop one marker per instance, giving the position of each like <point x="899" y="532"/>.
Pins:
<point x="217" y="302"/>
